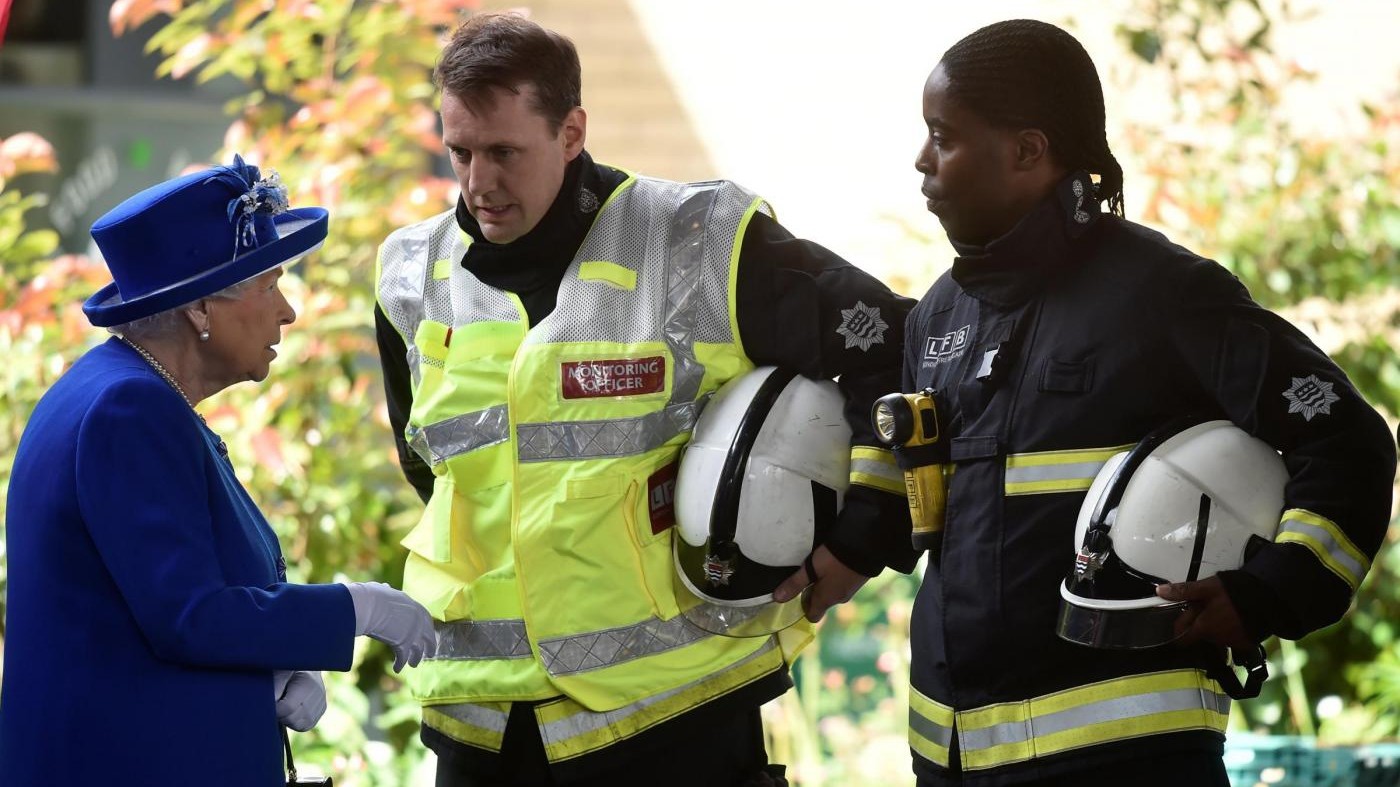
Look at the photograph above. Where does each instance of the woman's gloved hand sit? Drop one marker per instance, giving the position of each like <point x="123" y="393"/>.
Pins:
<point x="301" y="698"/>
<point x="393" y="618"/>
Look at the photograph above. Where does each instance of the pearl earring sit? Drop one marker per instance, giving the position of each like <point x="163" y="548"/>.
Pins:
<point x="204" y="335"/>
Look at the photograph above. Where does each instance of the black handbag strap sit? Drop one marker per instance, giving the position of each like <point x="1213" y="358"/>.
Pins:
<point x="287" y="747"/>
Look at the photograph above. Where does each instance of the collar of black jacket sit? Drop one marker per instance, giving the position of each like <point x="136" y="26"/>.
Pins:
<point x="538" y="258"/>
<point x="1012" y="268"/>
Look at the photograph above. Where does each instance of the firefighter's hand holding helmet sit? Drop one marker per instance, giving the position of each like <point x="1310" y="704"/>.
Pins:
<point x="760" y="481"/>
<point x="1210" y="614"/>
<point x="1158" y="525"/>
<point x="833" y="584"/>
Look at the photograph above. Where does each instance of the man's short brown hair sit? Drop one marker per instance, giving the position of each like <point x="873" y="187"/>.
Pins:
<point x="508" y="51"/>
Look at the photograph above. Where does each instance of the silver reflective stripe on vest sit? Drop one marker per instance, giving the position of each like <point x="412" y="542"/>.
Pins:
<point x="597" y="439"/>
<point x="686" y="256"/>
<point x="475" y="715"/>
<point x="477" y="640"/>
<point x="598" y="649"/>
<point x="402" y="260"/>
<point x="416" y="361"/>
<point x="583" y="723"/>
<point x="1118" y="709"/>
<point x="438" y="442"/>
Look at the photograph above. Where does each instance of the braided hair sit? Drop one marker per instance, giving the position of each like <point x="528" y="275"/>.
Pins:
<point x="1023" y="73"/>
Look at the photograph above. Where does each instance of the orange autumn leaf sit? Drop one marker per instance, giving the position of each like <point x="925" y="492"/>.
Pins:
<point x="130" y="14"/>
<point x="193" y="54"/>
<point x="26" y="152"/>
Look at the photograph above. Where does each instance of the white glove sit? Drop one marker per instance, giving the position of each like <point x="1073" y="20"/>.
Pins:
<point x="393" y="618"/>
<point x="301" y="698"/>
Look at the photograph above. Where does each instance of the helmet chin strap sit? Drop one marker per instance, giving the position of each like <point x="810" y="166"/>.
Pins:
<point x="1256" y="668"/>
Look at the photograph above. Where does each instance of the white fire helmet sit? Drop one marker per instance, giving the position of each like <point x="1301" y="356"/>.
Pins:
<point x="1186" y="503"/>
<point x="760" y="482"/>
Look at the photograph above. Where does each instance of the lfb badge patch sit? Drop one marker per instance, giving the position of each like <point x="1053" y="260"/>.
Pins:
<point x="862" y="326"/>
<point x="1310" y="396"/>
<point x="661" y="498"/>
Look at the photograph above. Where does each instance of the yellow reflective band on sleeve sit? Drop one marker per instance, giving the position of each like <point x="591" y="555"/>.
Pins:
<point x="930" y="728"/>
<point x="568" y="729"/>
<point x="442" y="269"/>
<point x="876" y="468"/>
<point x="479" y="724"/>
<point x="1056" y="471"/>
<point x="1327" y="541"/>
<point x="610" y="272"/>
<point x="1112" y="710"/>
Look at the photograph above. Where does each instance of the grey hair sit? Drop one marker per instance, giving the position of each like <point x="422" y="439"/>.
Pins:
<point x="166" y="324"/>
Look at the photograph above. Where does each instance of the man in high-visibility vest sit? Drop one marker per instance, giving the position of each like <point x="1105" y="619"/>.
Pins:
<point x="547" y="346"/>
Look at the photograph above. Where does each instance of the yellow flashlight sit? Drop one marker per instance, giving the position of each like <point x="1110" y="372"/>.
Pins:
<point x="908" y="423"/>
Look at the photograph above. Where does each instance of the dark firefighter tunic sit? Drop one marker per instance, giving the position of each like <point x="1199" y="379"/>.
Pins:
<point x="795" y="306"/>
<point x="1075" y="333"/>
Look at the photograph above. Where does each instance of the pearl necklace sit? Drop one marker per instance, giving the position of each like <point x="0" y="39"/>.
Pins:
<point x="163" y="372"/>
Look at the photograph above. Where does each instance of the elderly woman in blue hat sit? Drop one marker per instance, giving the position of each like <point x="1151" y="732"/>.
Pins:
<point x="152" y="637"/>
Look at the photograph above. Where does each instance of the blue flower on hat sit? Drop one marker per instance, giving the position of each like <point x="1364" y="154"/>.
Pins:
<point x="260" y="195"/>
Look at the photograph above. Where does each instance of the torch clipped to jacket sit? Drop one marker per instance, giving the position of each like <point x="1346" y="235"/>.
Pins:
<point x="908" y="423"/>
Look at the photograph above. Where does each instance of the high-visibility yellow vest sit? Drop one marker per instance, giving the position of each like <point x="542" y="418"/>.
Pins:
<point x="544" y="552"/>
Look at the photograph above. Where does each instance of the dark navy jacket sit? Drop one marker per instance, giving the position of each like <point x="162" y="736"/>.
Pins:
<point x="1080" y="331"/>
<point x="146" y="611"/>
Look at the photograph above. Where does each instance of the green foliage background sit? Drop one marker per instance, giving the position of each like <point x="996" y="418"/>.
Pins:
<point x="338" y="100"/>
<point x="1312" y="226"/>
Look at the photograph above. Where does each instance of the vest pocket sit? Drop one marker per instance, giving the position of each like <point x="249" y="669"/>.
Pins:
<point x="461" y="369"/>
<point x="429" y="576"/>
<point x="596" y="551"/>
<point x="459" y="557"/>
<point x="653" y="552"/>
<point x="439" y="534"/>
<point x="427" y="357"/>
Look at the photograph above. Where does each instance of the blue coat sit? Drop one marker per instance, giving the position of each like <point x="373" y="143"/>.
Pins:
<point x="147" y="607"/>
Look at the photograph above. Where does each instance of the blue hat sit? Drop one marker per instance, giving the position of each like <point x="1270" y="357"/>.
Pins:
<point x="186" y="238"/>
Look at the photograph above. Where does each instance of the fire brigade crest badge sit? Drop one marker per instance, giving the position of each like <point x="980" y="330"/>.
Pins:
<point x="587" y="201"/>
<point x="1310" y="396"/>
<point x="718" y="570"/>
<point x="862" y="326"/>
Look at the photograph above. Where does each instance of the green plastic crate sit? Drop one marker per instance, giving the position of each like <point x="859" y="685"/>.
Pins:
<point x="1378" y="765"/>
<point x="1294" y="761"/>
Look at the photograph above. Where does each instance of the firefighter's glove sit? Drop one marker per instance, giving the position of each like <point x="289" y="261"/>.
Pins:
<point x="301" y="698"/>
<point x="393" y="618"/>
